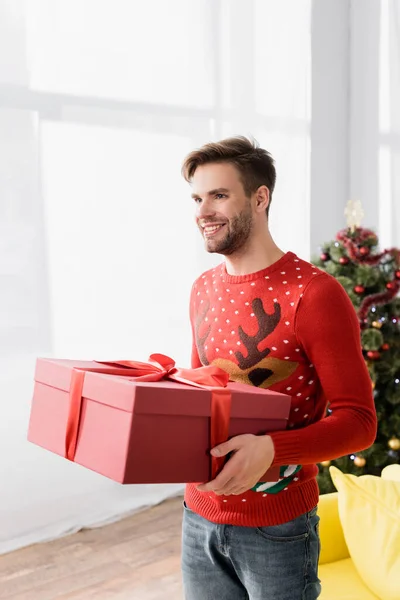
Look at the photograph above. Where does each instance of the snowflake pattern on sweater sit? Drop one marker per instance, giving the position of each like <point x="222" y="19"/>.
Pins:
<point x="245" y="325"/>
<point x="292" y="328"/>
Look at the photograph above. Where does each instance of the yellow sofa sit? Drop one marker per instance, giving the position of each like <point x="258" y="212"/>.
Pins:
<point x="342" y="576"/>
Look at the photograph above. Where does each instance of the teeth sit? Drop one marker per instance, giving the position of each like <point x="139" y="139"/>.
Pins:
<point x="211" y="228"/>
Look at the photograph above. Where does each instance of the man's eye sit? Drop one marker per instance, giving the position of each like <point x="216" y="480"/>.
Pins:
<point x="197" y="200"/>
<point x="219" y="196"/>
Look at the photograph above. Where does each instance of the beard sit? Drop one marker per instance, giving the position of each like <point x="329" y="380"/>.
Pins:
<point x="234" y="236"/>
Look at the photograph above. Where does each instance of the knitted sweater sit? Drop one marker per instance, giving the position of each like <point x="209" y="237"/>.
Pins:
<point x="290" y="328"/>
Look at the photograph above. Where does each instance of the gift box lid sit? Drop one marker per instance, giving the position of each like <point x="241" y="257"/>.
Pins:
<point x="108" y="385"/>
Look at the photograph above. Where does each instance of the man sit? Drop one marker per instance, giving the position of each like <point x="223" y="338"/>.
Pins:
<point x="273" y="320"/>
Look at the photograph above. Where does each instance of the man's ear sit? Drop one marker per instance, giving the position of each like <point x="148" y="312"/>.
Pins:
<point x="262" y="198"/>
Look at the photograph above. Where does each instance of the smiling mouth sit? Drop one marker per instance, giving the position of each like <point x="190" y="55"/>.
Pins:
<point x="210" y="230"/>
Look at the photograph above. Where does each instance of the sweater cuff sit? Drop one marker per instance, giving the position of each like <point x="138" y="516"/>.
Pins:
<point x="286" y="446"/>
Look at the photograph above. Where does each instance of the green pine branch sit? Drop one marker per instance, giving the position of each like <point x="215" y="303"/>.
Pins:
<point x="380" y="340"/>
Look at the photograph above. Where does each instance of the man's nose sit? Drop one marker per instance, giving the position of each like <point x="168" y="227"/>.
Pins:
<point x="205" y="209"/>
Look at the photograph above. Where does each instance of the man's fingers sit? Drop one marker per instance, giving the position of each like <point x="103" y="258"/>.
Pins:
<point x="224" y="491"/>
<point x="215" y="485"/>
<point x="232" y="490"/>
<point x="221" y="481"/>
<point x="229" y="446"/>
<point x="229" y="488"/>
<point x="235" y="488"/>
<point x="223" y="449"/>
<point x="240" y="491"/>
<point x="234" y="470"/>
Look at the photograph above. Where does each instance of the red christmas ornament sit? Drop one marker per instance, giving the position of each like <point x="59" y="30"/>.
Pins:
<point x="344" y="260"/>
<point x="359" y="289"/>
<point x="391" y="285"/>
<point x="364" y="250"/>
<point x="373" y="354"/>
<point x="397" y="274"/>
<point x="352" y="243"/>
<point x="324" y="256"/>
<point x="385" y="346"/>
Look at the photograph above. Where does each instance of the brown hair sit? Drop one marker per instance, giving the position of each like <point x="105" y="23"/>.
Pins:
<point x="255" y="165"/>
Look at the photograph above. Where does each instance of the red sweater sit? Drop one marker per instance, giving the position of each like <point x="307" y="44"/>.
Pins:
<point x="291" y="328"/>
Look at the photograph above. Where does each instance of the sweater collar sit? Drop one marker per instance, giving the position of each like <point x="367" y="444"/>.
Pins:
<point x="258" y="274"/>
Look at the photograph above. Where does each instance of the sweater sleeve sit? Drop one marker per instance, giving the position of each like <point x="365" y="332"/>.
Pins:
<point x="328" y="331"/>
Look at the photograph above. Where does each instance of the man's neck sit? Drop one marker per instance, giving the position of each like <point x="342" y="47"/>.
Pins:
<point x="258" y="254"/>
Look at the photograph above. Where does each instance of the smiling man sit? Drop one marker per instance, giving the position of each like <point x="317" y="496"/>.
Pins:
<point x="273" y="320"/>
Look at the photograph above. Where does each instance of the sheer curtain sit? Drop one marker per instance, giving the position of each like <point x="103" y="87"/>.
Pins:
<point x="133" y="96"/>
<point x="99" y="102"/>
<point x="389" y="124"/>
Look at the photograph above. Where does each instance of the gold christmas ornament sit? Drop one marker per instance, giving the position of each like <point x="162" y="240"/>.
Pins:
<point x="326" y="463"/>
<point x="394" y="443"/>
<point x="360" y="461"/>
<point x="376" y="324"/>
<point x="354" y="214"/>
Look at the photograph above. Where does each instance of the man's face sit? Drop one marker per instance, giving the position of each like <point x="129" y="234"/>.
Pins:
<point x="223" y="211"/>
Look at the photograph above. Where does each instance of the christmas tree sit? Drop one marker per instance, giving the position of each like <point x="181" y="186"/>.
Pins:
<point x="372" y="281"/>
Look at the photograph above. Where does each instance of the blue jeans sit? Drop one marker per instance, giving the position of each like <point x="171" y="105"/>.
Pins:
<point x="226" y="562"/>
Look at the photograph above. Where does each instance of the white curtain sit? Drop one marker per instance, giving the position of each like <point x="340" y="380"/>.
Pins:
<point x="389" y="123"/>
<point x="99" y="102"/>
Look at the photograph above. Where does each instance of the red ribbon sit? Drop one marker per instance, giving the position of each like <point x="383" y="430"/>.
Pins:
<point x="158" y="368"/>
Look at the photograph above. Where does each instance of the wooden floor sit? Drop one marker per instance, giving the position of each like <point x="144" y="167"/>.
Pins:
<point x="135" y="559"/>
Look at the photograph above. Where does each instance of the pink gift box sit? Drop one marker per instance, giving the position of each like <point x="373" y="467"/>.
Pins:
<point x="143" y="432"/>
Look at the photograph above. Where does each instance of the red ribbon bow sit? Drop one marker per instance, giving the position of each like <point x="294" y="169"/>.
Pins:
<point x="158" y="368"/>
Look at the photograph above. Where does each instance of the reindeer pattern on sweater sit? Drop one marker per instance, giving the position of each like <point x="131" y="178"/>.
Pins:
<point x="238" y="326"/>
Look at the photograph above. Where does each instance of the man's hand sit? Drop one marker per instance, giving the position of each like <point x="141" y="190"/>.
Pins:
<point x="253" y="455"/>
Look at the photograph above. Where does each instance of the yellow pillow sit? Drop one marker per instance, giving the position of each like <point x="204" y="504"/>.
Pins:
<point x="369" y="509"/>
<point x="333" y="545"/>
<point x="391" y="472"/>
